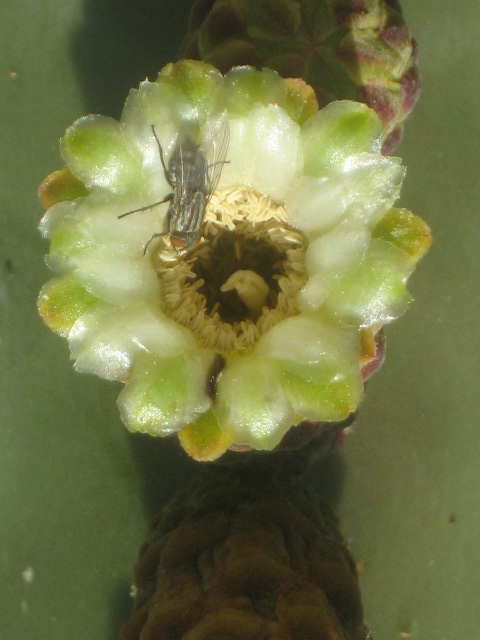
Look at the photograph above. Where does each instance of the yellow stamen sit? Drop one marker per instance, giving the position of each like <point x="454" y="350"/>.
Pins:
<point x="241" y="277"/>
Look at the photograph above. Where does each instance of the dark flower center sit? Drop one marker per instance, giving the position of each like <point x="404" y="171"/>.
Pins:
<point x="242" y="276"/>
<point x="233" y="251"/>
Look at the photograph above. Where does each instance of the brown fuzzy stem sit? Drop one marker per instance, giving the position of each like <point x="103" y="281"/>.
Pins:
<point x="245" y="554"/>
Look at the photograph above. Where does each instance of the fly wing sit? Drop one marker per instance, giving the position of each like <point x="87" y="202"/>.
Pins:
<point x="180" y="168"/>
<point x="216" y="147"/>
<point x="189" y="166"/>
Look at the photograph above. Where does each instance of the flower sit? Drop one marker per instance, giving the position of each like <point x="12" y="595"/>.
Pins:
<point x="265" y="315"/>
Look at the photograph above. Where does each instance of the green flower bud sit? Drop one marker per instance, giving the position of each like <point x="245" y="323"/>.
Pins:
<point x="345" y="49"/>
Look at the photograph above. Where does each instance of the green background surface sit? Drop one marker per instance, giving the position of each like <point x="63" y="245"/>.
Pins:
<point x="76" y="491"/>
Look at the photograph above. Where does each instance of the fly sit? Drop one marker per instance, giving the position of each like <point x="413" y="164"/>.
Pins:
<point x="193" y="172"/>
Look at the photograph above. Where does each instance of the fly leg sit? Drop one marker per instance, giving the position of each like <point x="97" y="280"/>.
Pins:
<point x="214" y="164"/>
<point x="168" y="197"/>
<point x="162" y="159"/>
<point x="212" y="183"/>
<point x="155" y="235"/>
<point x="166" y="232"/>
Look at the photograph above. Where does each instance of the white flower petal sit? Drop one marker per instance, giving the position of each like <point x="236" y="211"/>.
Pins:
<point x="320" y="366"/>
<point x="154" y="104"/>
<point x="251" y="406"/>
<point x="372" y="292"/>
<point x="263" y="152"/>
<point x="316" y="204"/>
<point x="165" y="393"/>
<point x="106" y="340"/>
<point x="372" y="184"/>
<point x="315" y="291"/>
<point x="338" y="248"/>
<point x="57" y="215"/>
<point x="116" y="279"/>
<point x="363" y="188"/>
<point x="309" y="339"/>
<point x="98" y="218"/>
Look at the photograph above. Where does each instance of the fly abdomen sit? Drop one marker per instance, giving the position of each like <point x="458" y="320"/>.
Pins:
<point x="185" y="223"/>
